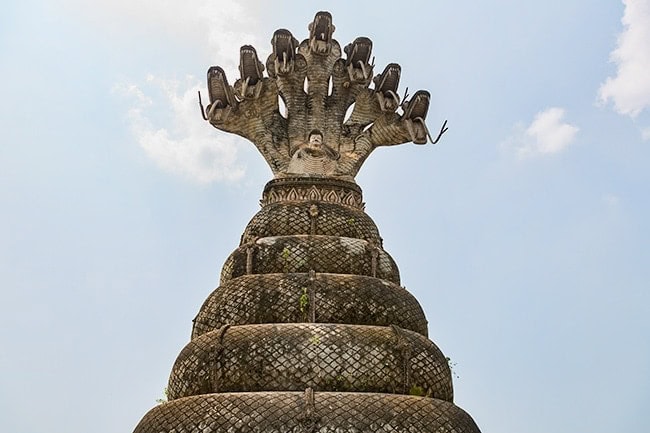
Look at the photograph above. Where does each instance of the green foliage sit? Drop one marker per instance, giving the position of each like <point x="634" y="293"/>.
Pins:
<point x="452" y="366"/>
<point x="304" y="303"/>
<point x="417" y="390"/>
<point x="165" y="397"/>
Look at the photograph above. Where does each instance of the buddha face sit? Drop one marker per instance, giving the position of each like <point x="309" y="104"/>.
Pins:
<point x="315" y="141"/>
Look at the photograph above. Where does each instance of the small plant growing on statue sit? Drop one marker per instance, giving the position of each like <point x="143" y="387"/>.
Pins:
<point x="165" y="397"/>
<point x="304" y="303"/>
<point x="417" y="391"/>
<point x="452" y="366"/>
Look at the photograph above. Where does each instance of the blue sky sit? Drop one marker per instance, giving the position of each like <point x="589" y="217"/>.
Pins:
<point x="524" y="233"/>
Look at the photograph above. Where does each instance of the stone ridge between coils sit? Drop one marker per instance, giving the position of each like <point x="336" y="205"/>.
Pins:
<point x="328" y="412"/>
<point x="311" y="218"/>
<point x="304" y="297"/>
<point x="325" y="357"/>
<point x="305" y="253"/>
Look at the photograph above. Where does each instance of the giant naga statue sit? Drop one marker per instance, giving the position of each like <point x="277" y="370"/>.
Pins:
<point x="318" y="88"/>
<point x="309" y="329"/>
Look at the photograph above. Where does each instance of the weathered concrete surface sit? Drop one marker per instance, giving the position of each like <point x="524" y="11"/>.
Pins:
<point x="323" y="412"/>
<point x="325" y="357"/>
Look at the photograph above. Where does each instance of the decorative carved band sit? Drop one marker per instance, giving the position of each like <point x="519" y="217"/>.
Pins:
<point x="298" y="189"/>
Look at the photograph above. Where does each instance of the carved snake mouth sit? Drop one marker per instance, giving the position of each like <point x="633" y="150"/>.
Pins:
<point x="386" y="87"/>
<point x="388" y="81"/>
<point x="322" y="26"/>
<point x="418" y="106"/>
<point x="358" y="51"/>
<point x="320" y="32"/>
<point x="415" y="112"/>
<point x="249" y="65"/>
<point x="358" y="58"/>
<point x="218" y="88"/>
<point x="284" y="46"/>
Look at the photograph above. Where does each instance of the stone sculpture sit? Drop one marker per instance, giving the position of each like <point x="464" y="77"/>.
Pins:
<point x="318" y="87"/>
<point x="309" y="329"/>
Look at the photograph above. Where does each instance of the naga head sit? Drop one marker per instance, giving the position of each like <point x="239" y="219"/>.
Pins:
<point x="320" y="33"/>
<point x="357" y="62"/>
<point x="222" y="99"/>
<point x="284" y="51"/>
<point x="251" y="70"/>
<point x="386" y="85"/>
<point x="415" y="113"/>
<point x="218" y="88"/>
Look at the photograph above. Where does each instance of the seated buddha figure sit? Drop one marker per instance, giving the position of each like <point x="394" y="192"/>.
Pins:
<point x="314" y="158"/>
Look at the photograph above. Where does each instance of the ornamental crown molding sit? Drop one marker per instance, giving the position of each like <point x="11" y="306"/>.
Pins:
<point x="313" y="189"/>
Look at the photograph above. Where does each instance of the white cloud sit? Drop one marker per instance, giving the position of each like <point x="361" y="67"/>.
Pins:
<point x="546" y="135"/>
<point x="220" y="27"/>
<point x="189" y="147"/>
<point x="611" y="200"/>
<point x="645" y="134"/>
<point x="629" y="90"/>
<point x="164" y="116"/>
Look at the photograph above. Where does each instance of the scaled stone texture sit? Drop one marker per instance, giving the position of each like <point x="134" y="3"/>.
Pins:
<point x="309" y="329"/>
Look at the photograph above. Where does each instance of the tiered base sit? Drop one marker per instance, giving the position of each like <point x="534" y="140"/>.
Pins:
<point x="325" y="357"/>
<point x="323" y="412"/>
